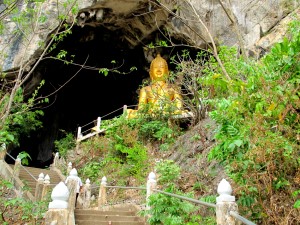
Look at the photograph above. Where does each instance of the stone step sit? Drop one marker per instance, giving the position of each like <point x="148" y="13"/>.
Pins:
<point x="100" y="212"/>
<point x="30" y="182"/>
<point x="37" y="173"/>
<point x="114" y="218"/>
<point x="114" y="215"/>
<point x="93" y="222"/>
<point x="54" y="178"/>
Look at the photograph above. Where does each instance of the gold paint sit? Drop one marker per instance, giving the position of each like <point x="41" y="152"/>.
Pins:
<point x="159" y="95"/>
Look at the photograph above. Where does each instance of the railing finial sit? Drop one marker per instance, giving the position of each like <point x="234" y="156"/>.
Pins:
<point x="225" y="191"/>
<point x="60" y="196"/>
<point x="104" y="180"/>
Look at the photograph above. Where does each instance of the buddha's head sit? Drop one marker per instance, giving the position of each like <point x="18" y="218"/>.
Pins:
<point x="159" y="69"/>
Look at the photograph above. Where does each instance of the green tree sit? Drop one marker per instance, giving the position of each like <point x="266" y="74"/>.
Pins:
<point x="28" y="21"/>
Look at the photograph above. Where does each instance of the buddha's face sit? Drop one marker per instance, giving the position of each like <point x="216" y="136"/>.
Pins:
<point x="159" y="72"/>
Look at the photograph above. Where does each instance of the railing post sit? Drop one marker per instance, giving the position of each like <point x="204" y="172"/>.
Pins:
<point x="87" y="194"/>
<point x="17" y="167"/>
<point x="2" y="151"/>
<point x="124" y="109"/>
<point x="72" y="183"/>
<point x="151" y="185"/>
<point x="56" y="160"/>
<point x="102" y="193"/>
<point x="225" y="204"/>
<point x="58" y="209"/>
<point x="69" y="168"/>
<point x="46" y="187"/>
<point x="98" y="124"/>
<point x="39" y="187"/>
<point x="79" y="135"/>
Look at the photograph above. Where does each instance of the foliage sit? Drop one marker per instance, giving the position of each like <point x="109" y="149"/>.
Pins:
<point x="119" y="153"/>
<point x="168" y="172"/>
<point x="189" y="73"/>
<point x="169" y="210"/>
<point x="165" y="209"/>
<point x="24" y="156"/>
<point x="21" y="120"/>
<point x="258" y="135"/>
<point x="17" y="210"/>
<point x="65" y="144"/>
<point x="158" y="130"/>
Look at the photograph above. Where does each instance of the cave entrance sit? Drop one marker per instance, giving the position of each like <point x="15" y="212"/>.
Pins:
<point x="78" y="94"/>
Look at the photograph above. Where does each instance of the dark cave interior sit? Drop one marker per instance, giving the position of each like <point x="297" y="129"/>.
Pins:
<point x="79" y="95"/>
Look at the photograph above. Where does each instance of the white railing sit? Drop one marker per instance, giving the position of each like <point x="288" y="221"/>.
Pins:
<point x="93" y="128"/>
<point x="226" y="207"/>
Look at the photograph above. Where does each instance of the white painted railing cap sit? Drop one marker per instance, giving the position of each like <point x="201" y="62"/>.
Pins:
<point x="41" y="177"/>
<point x="47" y="179"/>
<point x="60" y="196"/>
<point x="73" y="172"/>
<point x="103" y="180"/>
<point x="152" y="176"/>
<point x="225" y="191"/>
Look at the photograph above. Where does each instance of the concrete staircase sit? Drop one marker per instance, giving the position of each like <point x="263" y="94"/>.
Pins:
<point x="31" y="183"/>
<point x="115" y="216"/>
<point x="111" y="215"/>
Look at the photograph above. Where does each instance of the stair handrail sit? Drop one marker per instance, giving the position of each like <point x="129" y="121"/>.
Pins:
<point x="241" y="218"/>
<point x="186" y="198"/>
<point x="162" y="192"/>
<point x="21" y="166"/>
<point x="123" y="107"/>
<point x="80" y="133"/>
<point x="121" y="187"/>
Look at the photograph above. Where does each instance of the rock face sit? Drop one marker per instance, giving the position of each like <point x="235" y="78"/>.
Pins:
<point x="136" y="20"/>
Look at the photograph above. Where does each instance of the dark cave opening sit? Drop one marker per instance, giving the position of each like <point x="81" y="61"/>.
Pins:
<point x="79" y="95"/>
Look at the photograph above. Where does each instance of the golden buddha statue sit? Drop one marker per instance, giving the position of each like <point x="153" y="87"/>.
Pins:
<point x="159" y="95"/>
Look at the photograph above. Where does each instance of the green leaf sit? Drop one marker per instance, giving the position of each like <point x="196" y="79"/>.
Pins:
<point x="238" y="143"/>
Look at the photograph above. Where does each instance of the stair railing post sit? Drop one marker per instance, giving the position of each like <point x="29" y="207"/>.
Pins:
<point x="2" y="151"/>
<point x="98" y="124"/>
<point x="79" y="135"/>
<point x="151" y="185"/>
<point x="56" y="160"/>
<point x="17" y="167"/>
<point x="124" y="109"/>
<point x="69" y="168"/>
<point x="72" y="183"/>
<point x="39" y="187"/>
<point x="225" y="204"/>
<point x="87" y="194"/>
<point x="102" y="193"/>
<point x="58" y="209"/>
<point x="46" y="186"/>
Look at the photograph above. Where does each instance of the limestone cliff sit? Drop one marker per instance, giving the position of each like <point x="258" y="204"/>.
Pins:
<point x="136" y="20"/>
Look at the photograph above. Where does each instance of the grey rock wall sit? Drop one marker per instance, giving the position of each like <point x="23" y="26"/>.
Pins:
<point x="137" y="19"/>
<point x="255" y="18"/>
